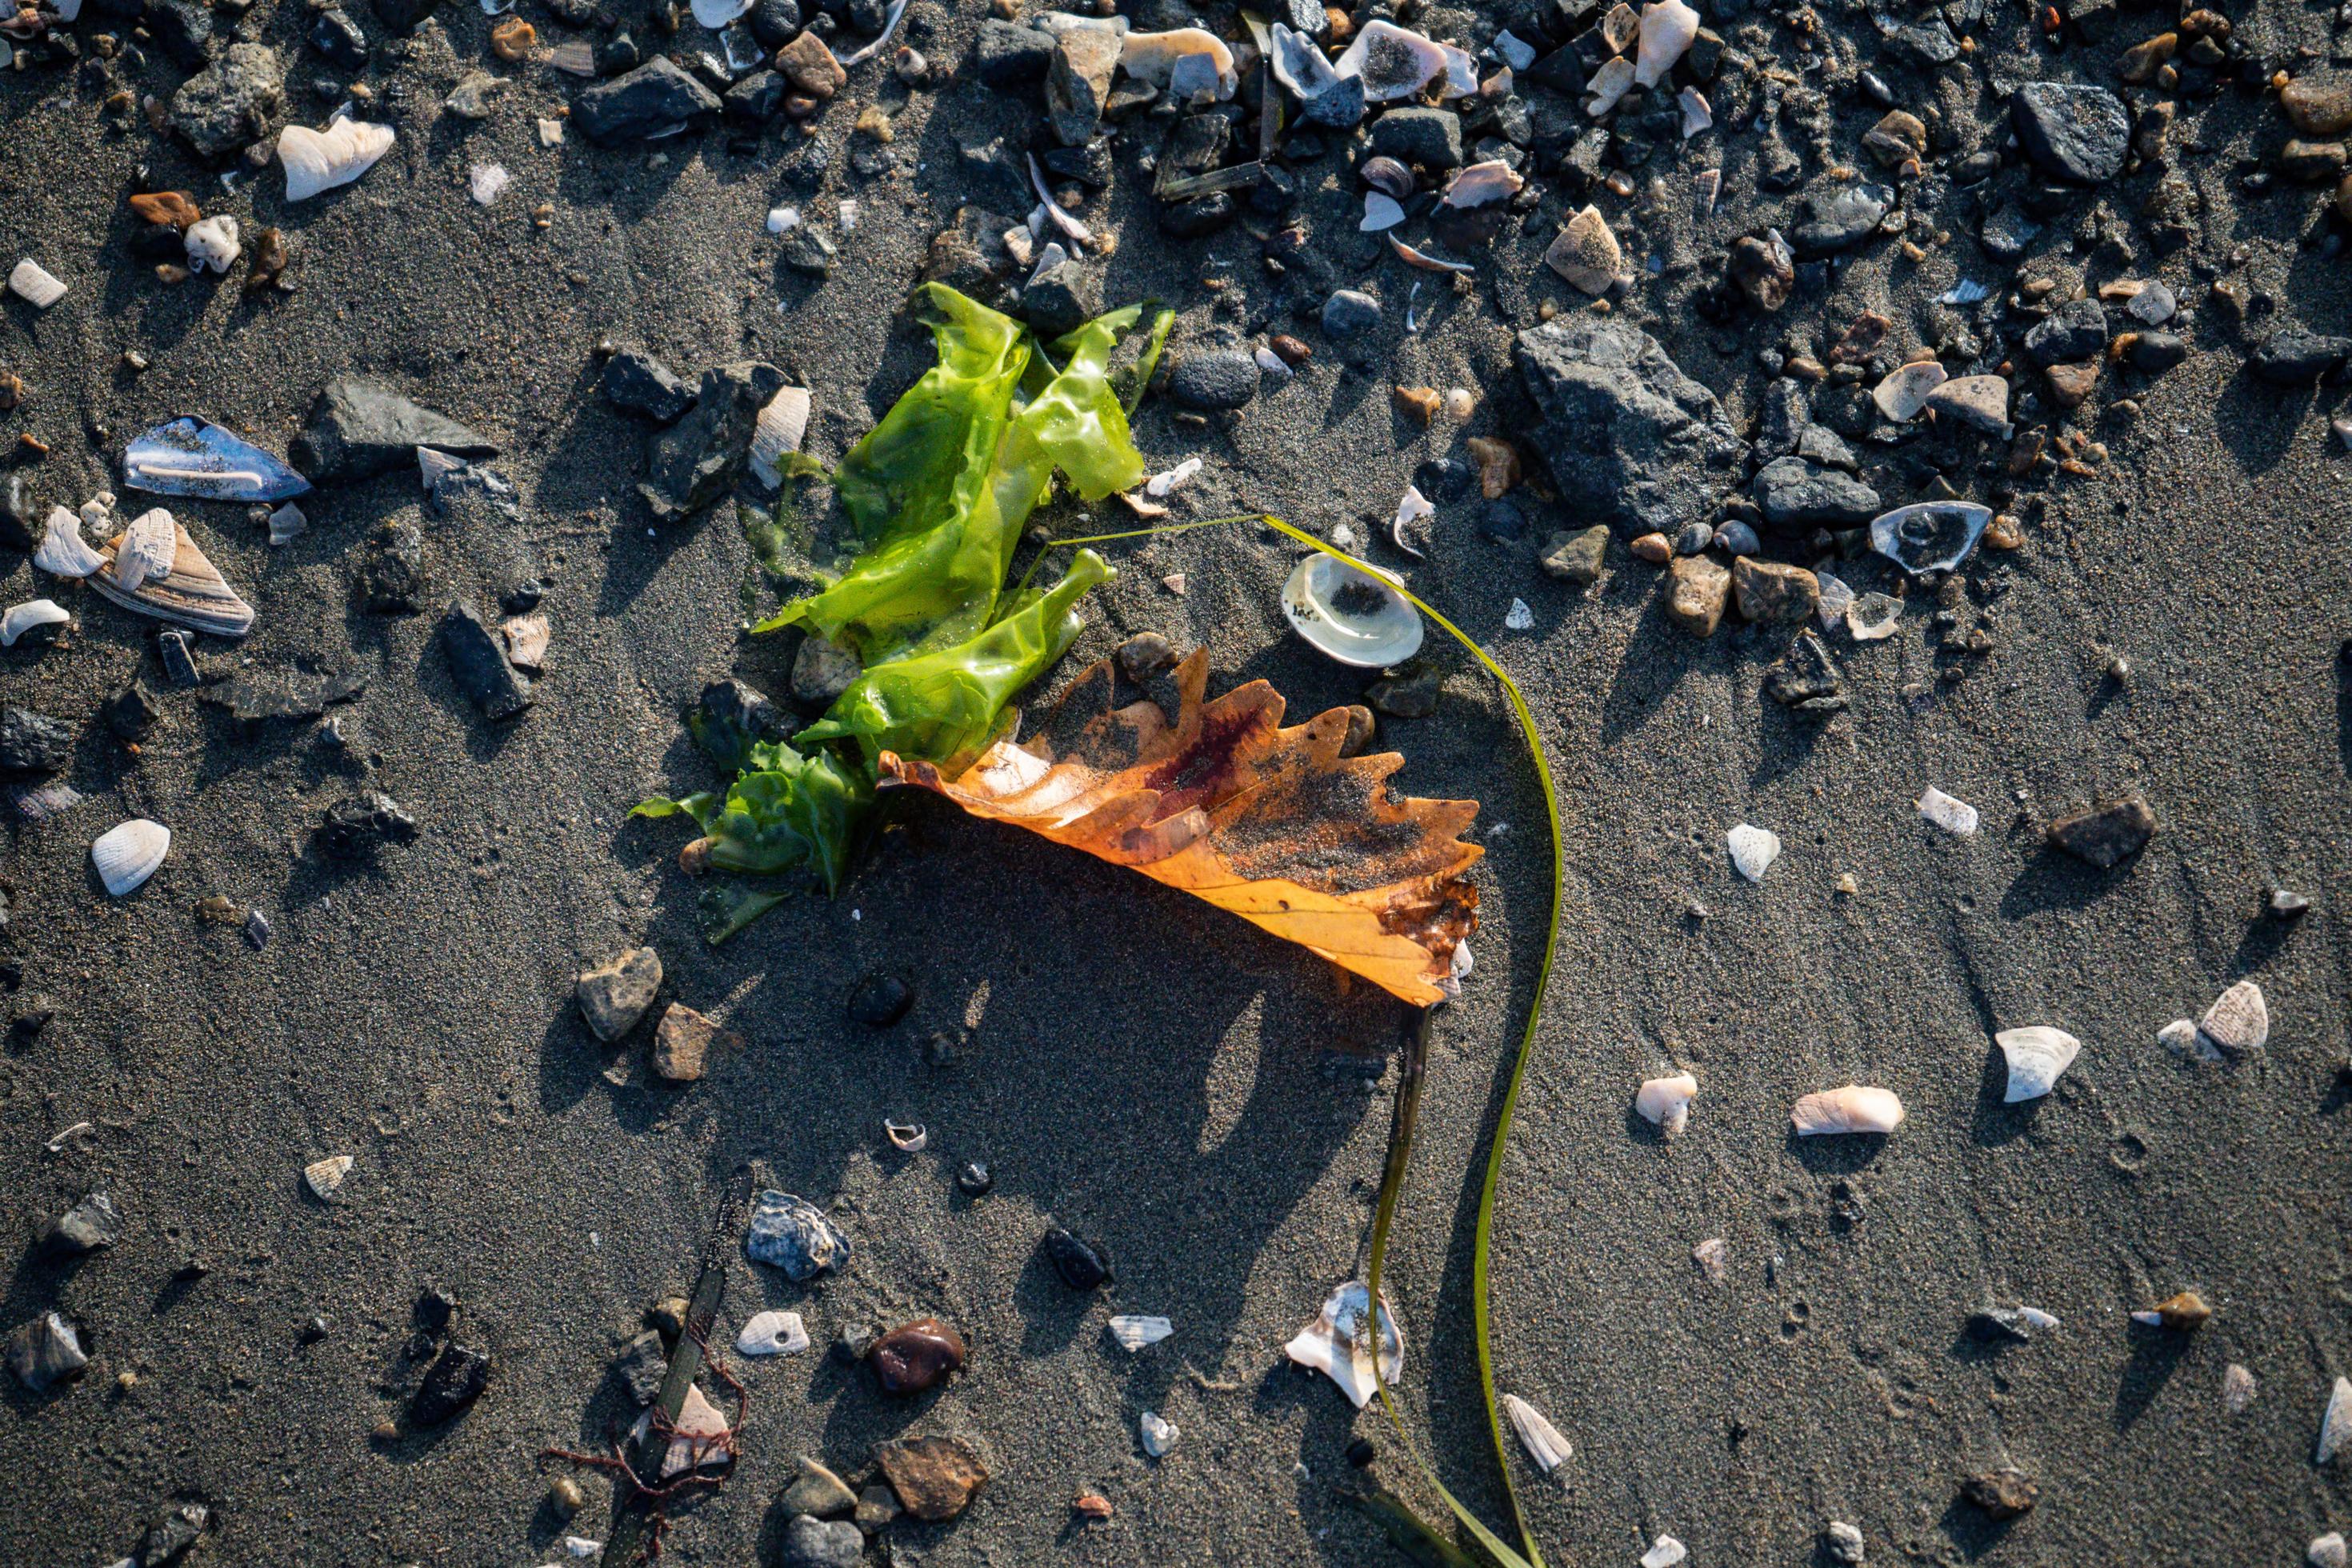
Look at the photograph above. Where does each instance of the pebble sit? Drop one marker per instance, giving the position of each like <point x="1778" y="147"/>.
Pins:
<point x="816" y="1490"/>
<point x="44" y="1351"/>
<point x="33" y="743"/>
<point x="1774" y="592"/>
<point x="2002" y="1494"/>
<point x="479" y="663"/>
<point x="90" y="1224"/>
<point x="792" y="1234"/>
<point x="170" y="1537"/>
<point x="642" y="1365"/>
<point x="1845" y="1545"/>
<point x="821" y="1544"/>
<point x="455" y="1379"/>
<point x="1697" y="589"/>
<point x="975" y="1181"/>
<point x="1080" y="1264"/>
<point x="565" y="1498"/>
<point x="2077" y="133"/>
<point x="2327" y="1551"/>
<point x="1215" y="382"/>
<point x="1349" y="313"/>
<point x="614" y="995"/>
<point x="2237" y="1388"/>
<point x="935" y="1478"/>
<point x="1144" y="654"/>
<point x="1578" y="557"/>
<point x="880" y="999"/>
<point x="2107" y="835"/>
<point x="1665" y="1552"/>
<point x="682" y="1043"/>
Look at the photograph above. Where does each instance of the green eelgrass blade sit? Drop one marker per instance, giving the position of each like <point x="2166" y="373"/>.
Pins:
<point x="1409" y="1083"/>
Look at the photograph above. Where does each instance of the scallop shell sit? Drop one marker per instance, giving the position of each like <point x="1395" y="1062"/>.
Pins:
<point x="1337" y="1343"/>
<point x="325" y="1177"/>
<point x="1753" y="849"/>
<point x="1393" y="63"/>
<point x="22" y="618"/>
<point x="1668" y="29"/>
<point x="64" y="553"/>
<point x="1853" y="1109"/>
<point x="1154" y="57"/>
<point x="2335" y="1423"/>
<point x="190" y="593"/>
<point x="2037" y="1056"/>
<point x="1351" y="615"/>
<point x="1949" y="813"/>
<point x="146" y="549"/>
<point x="2239" y="1021"/>
<point x="1664" y="1102"/>
<point x="126" y="855"/>
<point x="1538" y="1437"/>
<point x="30" y="282"/>
<point x="319" y="161"/>
<point x="781" y="425"/>
<point x="1903" y="394"/>
<point x="1135" y="1332"/>
<point x="1481" y="183"/>
<point x="214" y="243"/>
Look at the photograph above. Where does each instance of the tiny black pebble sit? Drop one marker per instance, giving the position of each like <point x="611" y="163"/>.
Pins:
<point x="880" y="1000"/>
<point x="975" y="1181"/>
<point x="1080" y="1266"/>
<point x="1361" y="1453"/>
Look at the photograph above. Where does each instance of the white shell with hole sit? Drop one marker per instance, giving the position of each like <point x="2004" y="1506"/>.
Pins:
<point x="1355" y="616"/>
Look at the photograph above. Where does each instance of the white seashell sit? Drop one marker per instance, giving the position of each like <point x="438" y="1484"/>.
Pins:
<point x="22" y="618"/>
<point x="1519" y="617"/>
<point x="1665" y="1552"/>
<point x="1707" y="184"/>
<point x="2035" y="1318"/>
<point x="1155" y="57"/>
<point x="146" y="549"/>
<point x="526" y="638"/>
<point x="1753" y="850"/>
<point x="286" y="523"/>
<point x="581" y="1546"/>
<point x="1300" y="66"/>
<point x="1159" y="484"/>
<point x="1668" y="29"/>
<point x="1135" y="1331"/>
<point x="1538" y="1437"/>
<point x="2182" y="1038"/>
<point x="1380" y="213"/>
<point x="2327" y="1551"/>
<point x="487" y="181"/>
<point x="2238" y="1022"/>
<point x="126" y="855"/>
<point x="1610" y="84"/>
<point x="64" y="553"/>
<point x="32" y="284"/>
<point x="1054" y="209"/>
<point x="845" y="213"/>
<point x="2037" y="1056"/>
<point x="325" y="1177"/>
<point x="1354" y="615"/>
<point x="772" y="1333"/>
<point x="1664" y="1102"/>
<point x="1904" y="392"/>
<point x="1394" y="63"/>
<point x="1713" y="1257"/>
<point x="1853" y="1109"/>
<point x="780" y="219"/>
<point x="2336" y="1421"/>
<point x="550" y="134"/>
<point x="1159" y="1434"/>
<point x="213" y="242"/>
<point x="1835" y="596"/>
<point x="2237" y="1388"/>
<point x="716" y="14"/>
<point x="1337" y="1343"/>
<point x="1481" y="183"/>
<point x="907" y="1137"/>
<point x="1698" y="115"/>
<point x="1952" y="815"/>
<point x="317" y="161"/>
<point x="781" y="425"/>
<point x="1873" y="617"/>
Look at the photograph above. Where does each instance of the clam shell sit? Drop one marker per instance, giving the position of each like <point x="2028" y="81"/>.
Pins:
<point x="1538" y="1437"/>
<point x="146" y="549"/>
<point x="781" y="425"/>
<point x="22" y="618"/>
<point x="1337" y="1343"/>
<point x="1903" y="394"/>
<point x="1753" y="849"/>
<point x="213" y="243"/>
<point x="1393" y="63"/>
<point x="1388" y="176"/>
<point x="1586" y="252"/>
<point x="30" y="282"/>
<point x="1949" y="813"/>
<point x="1154" y="57"/>
<point x="2336" y="1421"/>
<point x="190" y="593"/>
<point x="1668" y="29"/>
<point x="2239" y="1021"/>
<point x="1353" y="615"/>
<point x="2037" y="1056"/>
<point x="1664" y="1102"/>
<point x="1853" y="1108"/>
<point x="193" y="456"/>
<point x="1138" y="1332"/>
<point x="64" y="553"/>
<point x="126" y="855"/>
<point x="317" y="161"/>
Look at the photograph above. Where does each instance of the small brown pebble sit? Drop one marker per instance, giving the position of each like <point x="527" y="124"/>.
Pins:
<point x="12" y="391"/>
<point x="172" y="208"/>
<point x="564" y="1497"/>
<point x="1361" y="728"/>
<point x="1654" y="548"/>
<point x="385" y="1431"/>
<point x="1293" y="353"/>
<point x="170" y="272"/>
<point x="543" y="216"/>
<point x="1092" y="1505"/>
<point x="2070" y="384"/>
<point x="2003" y="1493"/>
<point x="800" y="106"/>
<point x="1421" y="401"/>
<point x="1498" y="466"/>
<point x="666" y="1317"/>
<point x="512" y="39"/>
<point x="32" y="446"/>
<point x="914" y="1356"/>
<point x="1343" y="26"/>
<point x="2003" y="533"/>
<point x="2184" y="1311"/>
<point x="872" y="122"/>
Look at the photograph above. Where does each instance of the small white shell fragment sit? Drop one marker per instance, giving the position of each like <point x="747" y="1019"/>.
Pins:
<point x="1158" y="1434"/>
<point x="550" y="134"/>
<point x="1135" y="1332"/>
<point x="581" y="1546"/>
<point x="772" y="1333"/>
<point x="213" y="242"/>
<point x="1665" y="1552"/>
<point x="1460" y="401"/>
<point x="64" y="553"/>
<point x="1394" y="63"/>
<point x="1271" y="362"/>
<point x="1949" y="813"/>
<point x="127" y="854"/>
<point x="1873" y="617"/>
<point x="22" y="618"/>
<point x="781" y="425"/>
<point x="1853" y="1108"/>
<point x="1904" y="392"/>
<point x="286" y="523"/>
<point x="317" y="161"/>
<point x="2182" y="1038"/>
<point x="1713" y="1257"/>
<point x="1481" y="183"/>
<point x="1337" y="1343"/>
<point x="325" y="1177"/>
<point x="1175" y="583"/>
<point x="2238" y="1022"/>
<point x="148" y="548"/>
<point x="716" y="14"/>
<point x="2037" y="1057"/>
<point x="2327" y="1551"/>
<point x="29" y="282"/>
<point x="1668" y="29"/>
<point x="2237" y="1389"/>
<point x="699" y="1440"/>
<point x="1519" y="617"/>
<point x="1351" y="615"/>
<point x="2035" y="1318"/>
<point x="907" y="1137"/>
<point x="1835" y="596"/>
<point x="527" y="639"/>
<point x="487" y="181"/>
<point x="1664" y="1102"/>
<point x="1698" y="115"/>
<point x="1538" y="1437"/>
<point x="2336" y="1421"/>
<point x="1753" y="850"/>
<point x="779" y="219"/>
<point x="1159" y="484"/>
<point x="1612" y="82"/>
<point x="1380" y="213"/>
<point x="1061" y="218"/>
<point x="847" y="213"/>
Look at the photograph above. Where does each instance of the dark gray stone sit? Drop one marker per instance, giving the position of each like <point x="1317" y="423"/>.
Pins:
<point x="808" y="252"/>
<point x="392" y="570"/>
<point x="359" y="428"/>
<point x="256" y="696"/>
<point x="1198" y="218"/>
<point x="1338" y="107"/>
<point x="1839" y="221"/>
<point x="1061" y="300"/>
<point x="1797" y="494"/>
<point x="774" y="22"/>
<point x="2074" y="330"/>
<point x="44" y="1351"/>
<point x="452" y="1384"/>
<point x="33" y="743"/>
<point x="641" y="1366"/>
<point x="2156" y="353"/>
<point x="636" y="383"/>
<point x="757" y="99"/>
<point x="1349" y="313"/>
<point x="1214" y="382"/>
<point x="811" y="1543"/>
<point x="1430" y="137"/>
<point x="337" y="39"/>
<point x="94" y="1223"/>
<point x="1010" y="55"/>
<point x="2107" y="835"/>
<point x="657" y="98"/>
<point x="235" y="100"/>
<point x="361" y="826"/>
<point x="697" y="460"/>
<point x="404" y="17"/>
<point x="172" y="1535"/>
<point x="2295" y="355"/>
<point x="478" y="659"/>
<point x="1089" y="164"/>
<point x="2075" y="132"/>
<point x="183" y="30"/>
<point x="1806" y="681"/>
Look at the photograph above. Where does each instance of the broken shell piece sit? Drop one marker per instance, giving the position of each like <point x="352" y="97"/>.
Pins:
<point x="2182" y="1037"/>
<point x="1664" y="1102"/>
<point x="1586" y="252"/>
<point x="191" y="593"/>
<point x="1753" y="850"/>
<point x="699" y="1440"/>
<point x="1350" y="614"/>
<point x="1713" y="1257"/>
<point x="1873" y="616"/>
<point x="1538" y="1437"/>
<point x="1135" y="1332"/>
<point x="716" y="14"/>
<point x="907" y="1137"/>
<point x="1158" y="1434"/>
<point x="526" y="639"/>
<point x="1337" y="1343"/>
<point x="1159" y="484"/>
<point x="29" y="282"/>
<point x="1853" y="1108"/>
<point x="1300" y="66"/>
<point x="1954" y="816"/>
<point x="875" y="45"/>
<point x="64" y="553"/>
<point x="486" y="183"/>
<point x="126" y="855"/>
<point x="145" y="550"/>
<point x="1497" y="460"/>
<point x="1705" y="186"/>
<point x="1608" y="85"/>
<point x="25" y="617"/>
<point x="2037" y="1056"/>
<point x="1054" y="209"/>
<point x="317" y="161"/>
<point x="1393" y="63"/>
<point x="213" y="243"/>
<point x="1519" y="617"/>
<point x="1903" y="394"/>
<point x="1411" y="256"/>
<point x="2336" y="1424"/>
<point x="1154" y="57"/>
<point x="1929" y="536"/>
<point x="2238" y="1022"/>
<point x="1412" y="509"/>
<point x="2183" y="1312"/>
<point x="1697" y="116"/>
<point x="574" y="56"/>
<point x="1836" y="596"/>
<point x="1481" y="183"/>
<point x="2237" y="1389"/>
<point x="286" y="523"/>
<point x="774" y="1333"/>
<point x="781" y="425"/>
<point x="193" y="456"/>
<point x="1665" y="1552"/>
<point x="1668" y="29"/>
<point x="2327" y="1551"/>
<point x="1380" y="213"/>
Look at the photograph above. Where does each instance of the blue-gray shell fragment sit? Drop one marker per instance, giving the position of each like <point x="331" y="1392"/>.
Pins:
<point x="1931" y="536"/>
<point x="792" y="1234"/>
<point x="193" y="456"/>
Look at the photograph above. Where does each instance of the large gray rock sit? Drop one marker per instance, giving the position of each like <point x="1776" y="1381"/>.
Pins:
<point x="697" y="460"/>
<point x="2076" y="133"/>
<point x="359" y="428"/>
<point x="657" y="98"/>
<point x="231" y="102"/>
<point x="1796" y="493"/>
<point x="1628" y="436"/>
